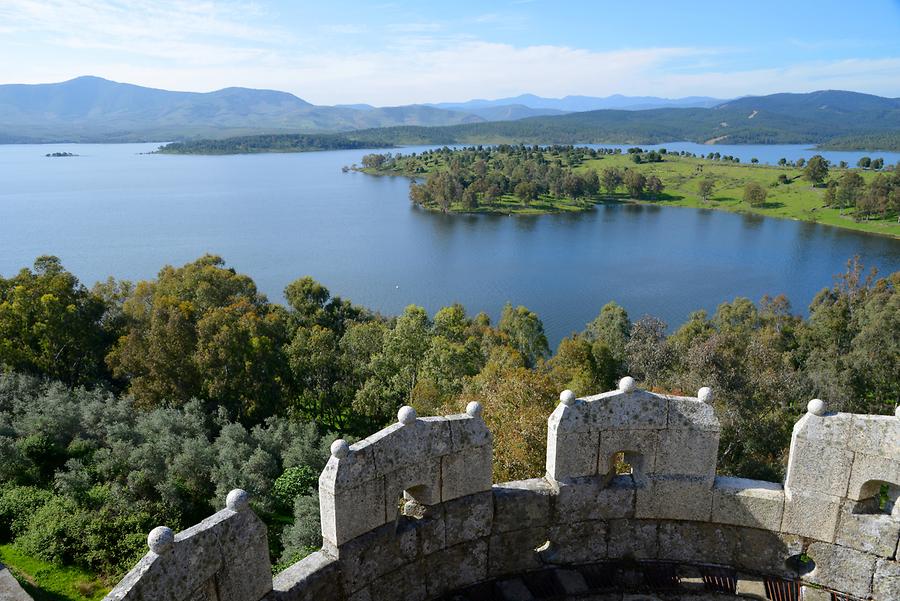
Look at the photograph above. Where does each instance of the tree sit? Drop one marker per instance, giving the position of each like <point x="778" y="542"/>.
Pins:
<point x="647" y="353"/>
<point x="612" y="328"/>
<point x="851" y="186"/>
<point x="864" y="162"/>
<point x="878" y="164"/>
<point x="526" y="191"/>
<point x="654" y="186"/>
<point x="611" y="179"/>
<point x="526" y="333"/>
<point x="634" y="183"/>
<point x="816" y="169"/>
<point x="705" y="188"/>
<point x="754" y="194"/>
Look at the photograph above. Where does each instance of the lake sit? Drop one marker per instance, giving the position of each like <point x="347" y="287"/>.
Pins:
<point x="276" y="217"/>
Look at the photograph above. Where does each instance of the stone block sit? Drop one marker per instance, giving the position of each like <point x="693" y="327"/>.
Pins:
<point x="688" y="453"/>
<point x="246" y="573"/>
<point x="765" y="552"/>
<point x="697" y="542"/>
<point x="521" y="504"/>
<point x="513" y="590"/>
<point x="466" y="472"/>
<point x="886" y="583"/>
<point x="842" y="569"/>
<point x="516" y="551"/>
<point x="568" y="419"/>
<point x="875" y="435"/>
<point x="467" y="431"/>
<point x="456" y="567"/>
<point x="871" y="533"/>
<point x="633" y="539"/>
<point x="407" y="583"/>
<point x="578" y="542"/>
<point x="675" y="498"/>
<point x="422" y="480"/>
<point x="376" y="553"/>
<point x="316" y="576"/>
<point x="572" y="454"/>
<point x="352" y="511"/>
<point x="744" y="502"/>
<point x="358" y="466"/>
<point x="585" y="499"/>
<point x="831" y="428"/>
<point x="809" y="593"/>
<point x="810" y="515"/>
<point x="468" y="518"/>
<point x="868" y="472"/>
<point x="637" y="410"/>
<point x="10" y="590"/>
<point x="401" y="445"/>
<point x="687" y="413"/>
<point x="815" y="467"/>
<point x="643" y="443"/>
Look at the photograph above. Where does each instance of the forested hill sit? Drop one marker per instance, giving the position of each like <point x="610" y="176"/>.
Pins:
<point x="816" y="117"/>
<point x="263" y="143"/>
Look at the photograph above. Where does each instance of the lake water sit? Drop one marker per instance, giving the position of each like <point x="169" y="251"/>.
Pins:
<point x="276" y="217"/>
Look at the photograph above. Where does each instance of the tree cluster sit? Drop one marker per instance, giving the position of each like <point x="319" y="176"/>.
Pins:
<point x="879" y="197"/>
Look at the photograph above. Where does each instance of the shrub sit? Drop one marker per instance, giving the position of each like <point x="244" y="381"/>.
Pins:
<point x="295" y="481"/>
<point x="17" y="506"/>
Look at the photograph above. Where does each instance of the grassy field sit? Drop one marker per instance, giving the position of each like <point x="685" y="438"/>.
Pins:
<point x="47" y="582"/>
<point x="796" y="200"/>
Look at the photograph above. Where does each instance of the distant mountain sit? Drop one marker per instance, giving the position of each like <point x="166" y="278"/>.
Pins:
<point x="95" y="109"/>
<point x="573" y="104"/>
<point x="816" y="117"/>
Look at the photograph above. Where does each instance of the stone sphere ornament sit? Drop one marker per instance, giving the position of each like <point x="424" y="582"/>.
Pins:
<point x="474" y="409"/>
<point x="161" y="540"/>
<point x="705" y="395"/>
<point x="237" y="500"/>
<point x="406" y="415"/>
<point x="567" y="398"/>
<point x="626" y="384"/>
<point x="897" y="411"/>
<point x="340" y="448"/>
<point x="816" y="407"/>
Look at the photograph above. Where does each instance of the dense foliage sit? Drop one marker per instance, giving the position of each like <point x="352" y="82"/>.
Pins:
<point x="128" y="405"/>
<point x="263" y="143"/>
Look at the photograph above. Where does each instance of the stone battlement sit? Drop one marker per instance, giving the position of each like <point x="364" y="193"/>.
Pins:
<point x="630" y="499"/>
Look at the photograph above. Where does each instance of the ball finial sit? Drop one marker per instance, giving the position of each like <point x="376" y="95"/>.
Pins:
<point x="705" y="395"/>
<point x="406" y="415"/>
<point x="237" y="500"/>
<point x="567" y="398"/>
<point x="161" y="540"/>
<point x="474" y="409"/>
<point x="340" y="448"/>
<point x="816" y="407"/>
<point x="897" y="411"/>
<point x="626" y="384"/>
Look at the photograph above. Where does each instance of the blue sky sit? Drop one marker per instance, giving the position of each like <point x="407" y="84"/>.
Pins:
<point x="389" y="53"/>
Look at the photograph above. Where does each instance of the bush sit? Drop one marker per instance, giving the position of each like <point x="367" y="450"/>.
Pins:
<point x="304" y="536"/>
<point x="295" y="481"/>
<point x="17" y="506"/>
<point x="53" y="533"/>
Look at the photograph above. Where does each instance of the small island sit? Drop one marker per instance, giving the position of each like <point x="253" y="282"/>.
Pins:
<point x="522" y="179"/>
<point x="263" y="144"/>
<point x="60" y="154"/>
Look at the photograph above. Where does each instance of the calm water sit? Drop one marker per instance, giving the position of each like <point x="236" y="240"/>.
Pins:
<point x="112" y="211"/>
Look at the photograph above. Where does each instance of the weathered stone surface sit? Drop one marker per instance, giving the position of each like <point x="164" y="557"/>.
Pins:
<point x="675" y="498"/>
<point x="818" y="468"/>
<point x="579" y="542"/>
<point x="697" y="542"/>
<point x="831" y="428"/>
<point x="468" y="518"/>
<point x="811" y="515"/>
<point x="466" y="472"/>
<point x="875" y="435"/>
<point x="376" y="553"/>
<point x="246" y="572"/>
<point x="584" y="499"/>
<point x="868" y="472"/>
<point x="358" y="466"/>
<point x="633" y="539"/>
<point x="467" y="431"/>
<point x="421" y="480"/>
<point x="351" y="512"/>
<point x="886" y="583"/>
<point x="744" y="502"/>
<point x="400" y="445"/>
<point x="521" y="504"/>
<point x="456" y="567"/>
<point x="314" y="577"/>
<point x="687" y="452"/>
<point x="515" y="552"/>
<point x="841" y="569"/>
<point x="572" y="454"/>
<point x="570" y="581"/>
<point x="10" y="590"/>
<point x="765" y="552"/>
<point x="687" y="413"/>
<point x="513" y="589"/>
<point x="638" y="410"/>
<point x="407" y="583"/>
<point x="871" y="533"/>
<point x="643" y="443"/>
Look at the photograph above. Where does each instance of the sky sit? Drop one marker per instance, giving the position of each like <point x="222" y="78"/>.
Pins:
<point x="393" y="53"/>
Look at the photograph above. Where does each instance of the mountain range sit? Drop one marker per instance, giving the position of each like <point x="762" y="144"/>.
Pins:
<point x="92" y="109"/>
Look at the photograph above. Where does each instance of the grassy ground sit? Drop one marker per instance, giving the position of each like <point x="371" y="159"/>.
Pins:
<point x="796" y="200"/>
<point x="48" y="582"/>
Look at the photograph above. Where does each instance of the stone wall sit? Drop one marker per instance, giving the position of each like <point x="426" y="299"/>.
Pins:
<point x="630" y="491"/>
